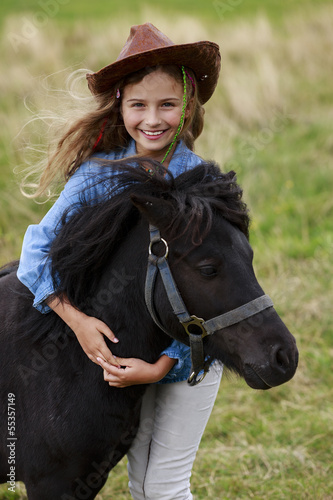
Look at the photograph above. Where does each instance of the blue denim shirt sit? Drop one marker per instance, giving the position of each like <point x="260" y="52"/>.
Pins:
<point x="36" y="275"/>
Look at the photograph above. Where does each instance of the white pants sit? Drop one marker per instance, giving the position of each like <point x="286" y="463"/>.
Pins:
<point x="173" y="419"/>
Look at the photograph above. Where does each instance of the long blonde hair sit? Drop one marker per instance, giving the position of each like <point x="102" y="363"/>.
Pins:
<point x="102" y="129"/>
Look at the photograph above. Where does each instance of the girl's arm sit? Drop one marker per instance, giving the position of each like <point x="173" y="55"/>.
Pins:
<point x="133" y="371"/>
<point x="89" y="331"/>
<point x="35" y="269"/>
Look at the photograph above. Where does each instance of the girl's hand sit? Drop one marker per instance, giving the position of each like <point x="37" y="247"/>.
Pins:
<point x="90" y="334"/>
<point x="89" y="331"/>
<point x="134" y="371"/>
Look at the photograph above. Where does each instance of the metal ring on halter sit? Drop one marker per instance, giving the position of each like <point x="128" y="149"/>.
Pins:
<point x="157" y="239"/>
<point x="192" y="380"/>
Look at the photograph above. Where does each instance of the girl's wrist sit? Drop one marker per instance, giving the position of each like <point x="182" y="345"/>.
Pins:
<point x="69" y="314"/>
<point x="162" y="366"/>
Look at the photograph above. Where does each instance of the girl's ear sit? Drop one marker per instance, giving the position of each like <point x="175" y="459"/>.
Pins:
<point x="189" y="107"/>
<point x="156" y="210"/>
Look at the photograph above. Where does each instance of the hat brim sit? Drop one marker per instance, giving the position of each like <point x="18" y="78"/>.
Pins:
<point x="202" y="57"/>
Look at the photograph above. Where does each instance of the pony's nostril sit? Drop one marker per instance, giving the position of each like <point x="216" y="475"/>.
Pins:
<point x="280" y="359"/>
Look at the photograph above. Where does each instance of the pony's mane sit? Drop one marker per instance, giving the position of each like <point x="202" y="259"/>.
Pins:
<point x="86" y="240"/>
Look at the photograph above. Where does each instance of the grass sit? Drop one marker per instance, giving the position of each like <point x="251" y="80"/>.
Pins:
<point x="270" y="121"/>
<point x="70" y="11"/>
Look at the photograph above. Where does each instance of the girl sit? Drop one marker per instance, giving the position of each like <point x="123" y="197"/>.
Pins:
<point x="148" y="103"/>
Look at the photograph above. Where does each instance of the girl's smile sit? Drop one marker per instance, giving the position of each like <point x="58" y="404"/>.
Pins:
<point x="153" y="135"/>
<point x="152" y="110"/>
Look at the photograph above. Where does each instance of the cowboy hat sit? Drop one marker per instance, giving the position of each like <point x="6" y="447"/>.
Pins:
<point x="146" y="46"/>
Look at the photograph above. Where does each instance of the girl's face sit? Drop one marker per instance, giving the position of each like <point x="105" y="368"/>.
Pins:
<point x="151" y="111"/>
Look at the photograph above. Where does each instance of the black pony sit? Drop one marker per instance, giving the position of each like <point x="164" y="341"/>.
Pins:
<point x="62" y="427"/>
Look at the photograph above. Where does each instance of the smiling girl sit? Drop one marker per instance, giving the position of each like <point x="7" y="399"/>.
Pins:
<point x="147" y="103"/>
<point x="152" y="110"/>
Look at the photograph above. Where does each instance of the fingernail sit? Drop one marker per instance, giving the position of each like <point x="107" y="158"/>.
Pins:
<point x="99" y="359"/>
<point x="115" y="340"/>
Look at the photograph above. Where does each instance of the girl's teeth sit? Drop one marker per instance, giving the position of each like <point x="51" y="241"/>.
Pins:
<point x="153" y="133"/>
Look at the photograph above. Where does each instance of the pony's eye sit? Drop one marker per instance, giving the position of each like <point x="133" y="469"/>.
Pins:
<point x="208" y="271"/>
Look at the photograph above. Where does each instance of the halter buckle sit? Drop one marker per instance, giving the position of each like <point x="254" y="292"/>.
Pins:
<point x="193" y="324"/>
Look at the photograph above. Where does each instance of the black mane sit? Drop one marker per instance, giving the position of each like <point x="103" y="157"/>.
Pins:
<point x="86" y="240"/>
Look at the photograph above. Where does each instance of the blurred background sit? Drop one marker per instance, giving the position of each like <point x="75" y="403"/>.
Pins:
<point x="270" y="120"/>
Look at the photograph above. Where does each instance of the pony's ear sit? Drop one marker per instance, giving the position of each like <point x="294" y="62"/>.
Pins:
<point x="156" y="210"/>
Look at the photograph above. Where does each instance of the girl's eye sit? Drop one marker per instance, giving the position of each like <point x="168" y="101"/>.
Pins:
<point x="208" y="271"/>
<point x="137" y="105"/>
<point x="168" y="104"/>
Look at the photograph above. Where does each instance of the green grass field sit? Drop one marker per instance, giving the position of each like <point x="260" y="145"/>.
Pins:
<point x="271" y="121"/>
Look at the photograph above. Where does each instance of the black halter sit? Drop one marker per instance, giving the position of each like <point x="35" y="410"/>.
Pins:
<point x="195" y="327"/>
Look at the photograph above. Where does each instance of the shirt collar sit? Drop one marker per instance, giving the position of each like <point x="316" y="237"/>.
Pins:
<point x="177" y="163"/>
<point x="178" y="160"/>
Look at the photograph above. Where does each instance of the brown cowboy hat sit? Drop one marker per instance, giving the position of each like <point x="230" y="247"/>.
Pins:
<point x="146" y="46"/>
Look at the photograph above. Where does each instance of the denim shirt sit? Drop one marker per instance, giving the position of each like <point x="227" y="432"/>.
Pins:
<point x="34" y="270"/>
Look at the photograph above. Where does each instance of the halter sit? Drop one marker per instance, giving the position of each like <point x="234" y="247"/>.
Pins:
<point x="196" y="328"/>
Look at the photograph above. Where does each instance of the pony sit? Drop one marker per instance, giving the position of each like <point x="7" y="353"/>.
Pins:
<point x="63" y="428"/>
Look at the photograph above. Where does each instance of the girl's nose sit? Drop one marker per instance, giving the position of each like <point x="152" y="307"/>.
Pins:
<point x="152" y="118"/>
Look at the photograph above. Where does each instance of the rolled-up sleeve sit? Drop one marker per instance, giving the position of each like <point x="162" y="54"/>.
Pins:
<point x="181" y="370"/>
